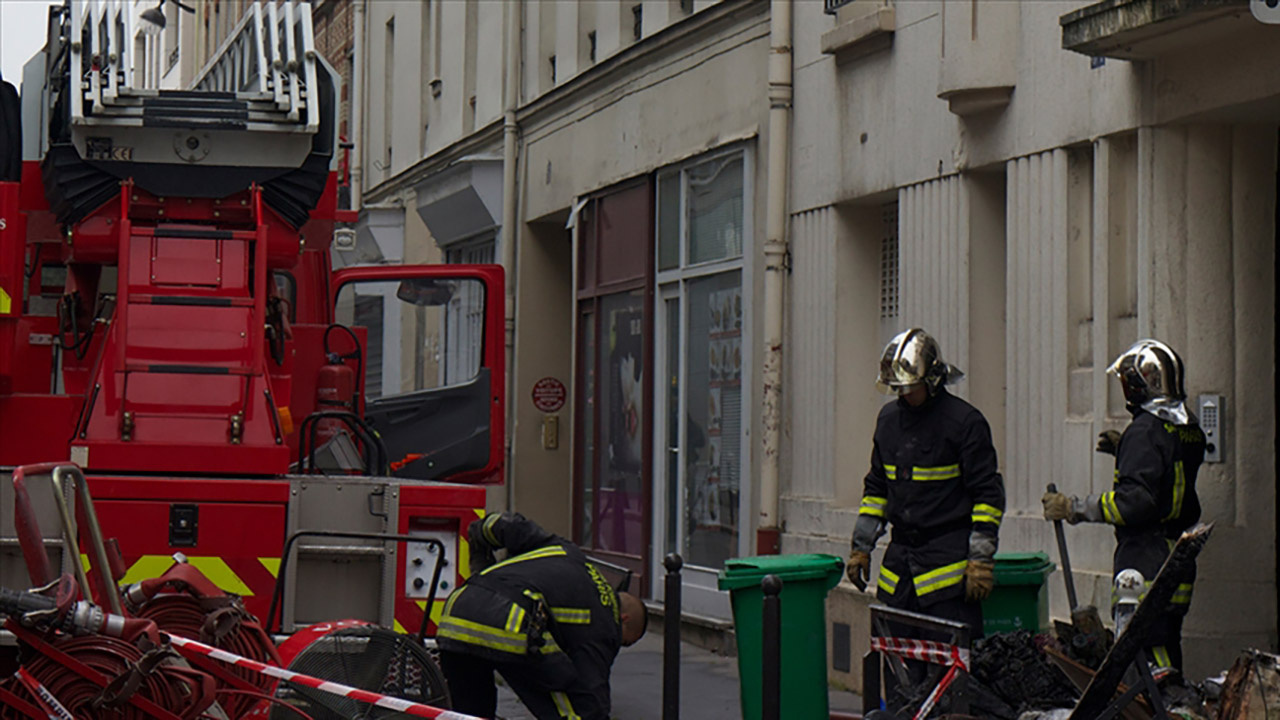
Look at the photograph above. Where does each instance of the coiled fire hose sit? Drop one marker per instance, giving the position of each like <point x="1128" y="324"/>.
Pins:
<point x="184" y="602"/>
<point x="127" y="652"/>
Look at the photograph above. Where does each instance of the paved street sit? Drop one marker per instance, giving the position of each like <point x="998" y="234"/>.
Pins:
<point x="709" y="686"/>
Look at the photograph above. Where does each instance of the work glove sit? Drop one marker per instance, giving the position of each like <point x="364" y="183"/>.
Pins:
<point x="859" y="569"/>
<point x="1108" y="441"/>
<point x="1072" y="509"/>
<point x="1056" y="506"/>
<point x="481" y="551"/>
<point x="979" y="579"/>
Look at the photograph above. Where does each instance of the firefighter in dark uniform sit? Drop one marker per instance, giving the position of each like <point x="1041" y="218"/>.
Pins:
<point x="1153" y="499"/>
<point x="545" y="618"/>
<point x="934" y="480"/>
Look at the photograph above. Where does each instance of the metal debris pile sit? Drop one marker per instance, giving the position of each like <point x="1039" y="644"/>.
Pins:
<point x="1015" y="668"/>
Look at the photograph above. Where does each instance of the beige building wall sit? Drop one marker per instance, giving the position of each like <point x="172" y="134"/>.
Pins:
<point x="605" y="94"/>
<point x="1083" y="208"/>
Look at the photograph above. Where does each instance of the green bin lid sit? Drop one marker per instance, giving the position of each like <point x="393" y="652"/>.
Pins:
<point x="1021" y="561"/>
<point x="1022" y="568"/>
<point x="749" y="571"/>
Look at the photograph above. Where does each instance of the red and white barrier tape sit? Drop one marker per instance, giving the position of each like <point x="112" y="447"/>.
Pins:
<point x="924" y="650"/>
<point x="384" y="701"/>
<point x="44" y="699"/>
<point x="956" y="659"/>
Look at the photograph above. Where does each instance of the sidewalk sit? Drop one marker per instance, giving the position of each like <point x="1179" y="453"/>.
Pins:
<point x="708" y="686"/>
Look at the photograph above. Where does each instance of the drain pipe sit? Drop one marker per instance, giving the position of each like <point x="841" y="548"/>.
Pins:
<point x="510" y="138"/>
<point x="357" y="105"/>
<point x="768" y="540"/>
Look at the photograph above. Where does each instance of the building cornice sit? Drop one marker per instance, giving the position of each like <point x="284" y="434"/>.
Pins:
<point x="604" y="72"/>
<point x="483" y="139"/>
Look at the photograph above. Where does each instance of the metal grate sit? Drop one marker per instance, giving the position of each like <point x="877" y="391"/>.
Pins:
<point x="367" y="657"/>
<point x="830" y="6"/>
<point x="889" y="263"/>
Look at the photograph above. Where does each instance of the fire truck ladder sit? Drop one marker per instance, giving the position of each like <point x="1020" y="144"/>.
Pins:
<point x="262" y="110"/>
<point x="259" y="79"/>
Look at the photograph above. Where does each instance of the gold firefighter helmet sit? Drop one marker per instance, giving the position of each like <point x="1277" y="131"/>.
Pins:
<point x="913" y="357"/>
<point x="1152" y="376"/>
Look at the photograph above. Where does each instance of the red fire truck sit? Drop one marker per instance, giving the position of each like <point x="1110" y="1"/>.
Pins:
<point x="172" y="322"/>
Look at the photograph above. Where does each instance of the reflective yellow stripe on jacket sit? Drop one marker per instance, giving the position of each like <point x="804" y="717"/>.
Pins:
<point x="1110" y="512"/>
<point x="942" y="472"/>
<point x="475" y="633"/>
<point x="572" y="616"/>
<point x="942" y="577"/>
<point x="987" y="513"/>
<point x="1179" y="490"/>
<point x="888" y="580"/>
<point x="550" y="551"/>
<point x="872" y="505"/>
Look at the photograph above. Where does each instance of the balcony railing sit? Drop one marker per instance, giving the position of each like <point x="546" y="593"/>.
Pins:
<point x="830" y="6"/>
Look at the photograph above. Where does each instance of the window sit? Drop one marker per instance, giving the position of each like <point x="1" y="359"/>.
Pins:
<point x="889" y="270"/>
<point x="421" y="333"/>
<point x="701" y="227"/>
<point x="637" y="22"/>
<point x="591" y="46"/>
<point x="388" y="91"/>
<point x="552" y="61"/>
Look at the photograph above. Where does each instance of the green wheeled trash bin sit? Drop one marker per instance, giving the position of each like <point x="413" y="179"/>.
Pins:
<point x="1019" y="600"/>
<point x="805" y="582"/>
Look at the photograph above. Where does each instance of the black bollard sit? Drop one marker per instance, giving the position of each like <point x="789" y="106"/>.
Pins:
<point x="771" y="664"/>
<point x="671" y="639"/>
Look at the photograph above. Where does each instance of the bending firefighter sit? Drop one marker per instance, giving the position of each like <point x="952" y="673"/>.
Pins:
<point x="934" y="479"/>
<point x="1154" y="496"/>
<point x="545" y="618"/>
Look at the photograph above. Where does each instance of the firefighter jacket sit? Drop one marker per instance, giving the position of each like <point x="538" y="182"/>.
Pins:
<point x="1154" y="496"/>
<point x="544" y="604"/>
<point x="934" y="478"/>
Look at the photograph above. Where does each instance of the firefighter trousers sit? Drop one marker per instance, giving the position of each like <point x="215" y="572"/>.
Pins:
<point x="472" y="689"/>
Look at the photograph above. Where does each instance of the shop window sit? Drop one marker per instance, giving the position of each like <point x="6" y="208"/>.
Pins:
<point x="702" y="221"/>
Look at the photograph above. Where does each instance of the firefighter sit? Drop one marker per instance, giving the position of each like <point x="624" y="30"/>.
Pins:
<point x="934" y="479"/>
<point x="1153" y="499"/>
<point x="545" y="618"/>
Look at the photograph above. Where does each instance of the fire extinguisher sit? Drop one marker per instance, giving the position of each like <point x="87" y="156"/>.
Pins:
<point x="336" y="384"/>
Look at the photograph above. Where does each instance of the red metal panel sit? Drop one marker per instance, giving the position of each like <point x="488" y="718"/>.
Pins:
<point x="451" y="508"/>
<point x="36" y="428"/>
<point x="185" y="261"/>
<point x="183" y="452"/>
<point x="442" y="495"/>
<point x="189" y="334"/>
<point x="190" y="488"/>
<point x="237" y="543"/>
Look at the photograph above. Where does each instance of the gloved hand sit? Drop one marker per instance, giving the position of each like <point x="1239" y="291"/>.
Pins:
<point x="859" y="569"/>
<point x="481" y="551"/>
<point x="979" y="579"/>
<point x="1108" y="441"/>
<point x="1056" y="506"/>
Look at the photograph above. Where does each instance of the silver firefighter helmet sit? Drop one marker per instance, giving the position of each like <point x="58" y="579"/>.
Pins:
<point x="1151" y="375"/>
<point x="913" y="357"/>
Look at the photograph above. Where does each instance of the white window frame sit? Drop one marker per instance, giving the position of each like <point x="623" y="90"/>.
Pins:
<point x="701" y="596"/>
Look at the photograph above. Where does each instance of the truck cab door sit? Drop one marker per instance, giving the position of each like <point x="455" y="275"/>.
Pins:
<point x="432" y="368"/>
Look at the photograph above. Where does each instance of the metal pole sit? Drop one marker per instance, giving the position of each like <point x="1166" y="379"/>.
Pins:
<point x="771" y="682"/>
<point x="671" y="639"/>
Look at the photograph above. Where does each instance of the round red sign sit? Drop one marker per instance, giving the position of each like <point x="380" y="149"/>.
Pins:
<point x="548" y="395"/>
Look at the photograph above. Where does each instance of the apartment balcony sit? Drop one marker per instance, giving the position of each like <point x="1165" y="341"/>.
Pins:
<point x="1146" y="29"/>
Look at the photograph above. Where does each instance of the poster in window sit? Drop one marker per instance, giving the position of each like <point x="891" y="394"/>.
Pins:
<point x="714" y="411"/>
<point x="626" y="388"/>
